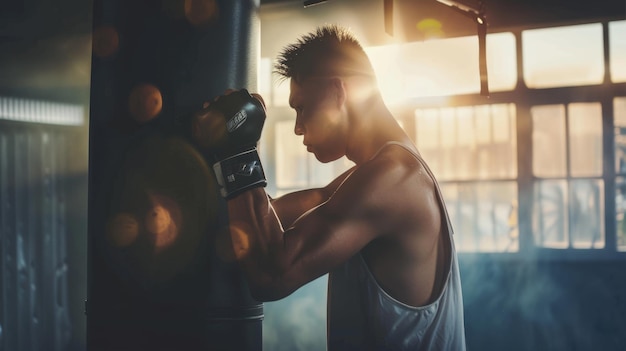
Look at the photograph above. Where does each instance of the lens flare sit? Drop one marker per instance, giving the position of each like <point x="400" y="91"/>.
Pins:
<point x="430" y="28"/>
<point x="201" y="13"/>
<point x="160" y="222"/>
<point x="105" y="41"/>
<point x="123" y="229"/>
<point x="232" y="243"/>
<point x="240" y="241"/>
<point x="145" y="102"/>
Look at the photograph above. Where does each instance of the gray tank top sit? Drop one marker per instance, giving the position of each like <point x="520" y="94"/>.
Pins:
<point x="362" y="316"/>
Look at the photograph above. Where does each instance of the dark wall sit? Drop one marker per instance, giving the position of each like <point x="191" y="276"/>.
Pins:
<point x="544" y="305"/>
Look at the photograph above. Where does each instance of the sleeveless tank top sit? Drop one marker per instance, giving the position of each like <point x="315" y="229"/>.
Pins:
<point x="362" y="316"/>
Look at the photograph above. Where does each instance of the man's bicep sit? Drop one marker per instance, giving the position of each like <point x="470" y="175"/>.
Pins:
<point x="322" y="240"/>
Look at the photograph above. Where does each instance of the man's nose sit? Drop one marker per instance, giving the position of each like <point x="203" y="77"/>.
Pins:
<point x="298" y="129"/>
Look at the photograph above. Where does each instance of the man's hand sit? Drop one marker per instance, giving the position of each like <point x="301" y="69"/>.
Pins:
<point x="227" y="132"/>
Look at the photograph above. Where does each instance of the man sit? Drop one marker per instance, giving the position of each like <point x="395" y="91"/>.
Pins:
<point x="380" y="229"/>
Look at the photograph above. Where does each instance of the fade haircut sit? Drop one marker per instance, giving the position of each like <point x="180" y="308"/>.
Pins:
<point x="330" y="50"/>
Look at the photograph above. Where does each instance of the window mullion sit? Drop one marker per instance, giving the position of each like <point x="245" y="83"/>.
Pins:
<point x="608" y="152"/>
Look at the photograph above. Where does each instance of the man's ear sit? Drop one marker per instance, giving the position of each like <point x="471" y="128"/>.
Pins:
<point x="340" y="90"/>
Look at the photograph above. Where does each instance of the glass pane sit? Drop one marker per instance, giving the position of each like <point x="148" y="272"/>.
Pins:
<point x="503" y="151"/>
<point x="619" y="114"/>
<point x="443" y="67"/>
<point x="585" y="139"/>
<point x="548" y="140"/>
<point x="550" y="214"/>
<point x="617" y="49"/>
<point x="563" y="56"/>
<point x="501" y="61"/>
<point x="478" y="142"/>
<point x="484" y="216"/>
<point x="291" y="158"/>
<point x="586" y="208"/>
<point x="620" y="209"/>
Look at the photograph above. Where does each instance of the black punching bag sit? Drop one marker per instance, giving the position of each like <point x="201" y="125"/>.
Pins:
<point x="162" y="273"/>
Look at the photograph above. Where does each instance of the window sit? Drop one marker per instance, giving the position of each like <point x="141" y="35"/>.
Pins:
<point x="468" y="143"/>
<point x="36" y="111"/>
<point x="468" y="148"/>
<point x="568" y="210"/>
<point x="443" y="67"/>
<point x="563" y="56"/>
<point x="617" y="45"/>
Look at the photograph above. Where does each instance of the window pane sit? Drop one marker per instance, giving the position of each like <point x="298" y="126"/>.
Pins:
<point x="291" y="158"/>
<point x="501" y="61"/>
<point x="563" y="56"/>
<point x="617" y="49"/>
<point x="443" y="67"/>
<point x="586" y="208"/>
<point x="619" y="114"/>
<point x="550" y="214"/>
<point x="484" y="216"/>
<point x="548" y="140"/>
<point x="477" y="142"/>
<point x="561" y="215"/>
<point x="585" y="133"/>
<point x="620" y="207"/>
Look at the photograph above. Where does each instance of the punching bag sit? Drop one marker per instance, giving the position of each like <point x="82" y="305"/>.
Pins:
<point x="162" y="274"/>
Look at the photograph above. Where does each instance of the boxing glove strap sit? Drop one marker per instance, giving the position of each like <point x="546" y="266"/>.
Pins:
<point x="239" y="173"/>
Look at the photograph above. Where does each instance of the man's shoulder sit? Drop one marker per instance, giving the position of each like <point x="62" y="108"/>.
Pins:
<point x="398" y="162"/>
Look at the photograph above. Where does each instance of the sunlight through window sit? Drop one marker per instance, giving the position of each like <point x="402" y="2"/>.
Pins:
<point x="617" y="45"/>
<point x="563" y="56"/>
<point x="443" y="67"/>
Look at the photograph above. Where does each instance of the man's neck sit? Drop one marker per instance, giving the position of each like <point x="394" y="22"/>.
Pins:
<point x="373" y="129"/>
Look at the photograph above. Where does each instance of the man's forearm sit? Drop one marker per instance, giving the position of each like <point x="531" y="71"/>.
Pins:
<point x="291" y="206"/>
<point x="257" y="239"/>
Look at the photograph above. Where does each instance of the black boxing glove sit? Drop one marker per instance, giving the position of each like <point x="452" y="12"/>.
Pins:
<point x="227" y="131"/>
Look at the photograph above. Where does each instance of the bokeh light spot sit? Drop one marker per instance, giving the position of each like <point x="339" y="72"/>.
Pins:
<point x="430" y="28"/>
<point x="201" y="13"/>
<point x="105" y="41"/>
<point x="160" y="222"/>
<point x="145" y="102"/>
<point x="232" y="243"/>
<point x="240" y="241"/>
<point x="123" y="229"/>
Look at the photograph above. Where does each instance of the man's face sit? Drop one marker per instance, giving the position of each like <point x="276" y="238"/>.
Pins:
<point x="319" y="117"/>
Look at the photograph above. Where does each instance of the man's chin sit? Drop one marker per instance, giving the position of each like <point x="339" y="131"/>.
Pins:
<point x="324" y="159"/>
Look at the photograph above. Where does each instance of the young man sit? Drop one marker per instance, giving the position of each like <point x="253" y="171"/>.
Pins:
<point x="381" y="229"/>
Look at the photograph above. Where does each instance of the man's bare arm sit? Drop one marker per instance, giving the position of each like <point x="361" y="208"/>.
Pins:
<point x="290" y="207"/>
<point x="279" y="260"/>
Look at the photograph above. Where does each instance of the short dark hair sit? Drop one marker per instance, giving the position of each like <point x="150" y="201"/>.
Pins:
<point x="329" y="50"/>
